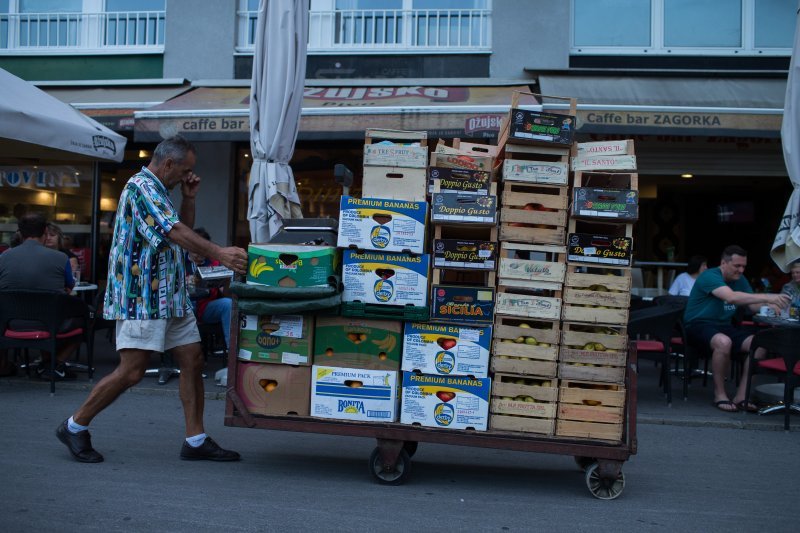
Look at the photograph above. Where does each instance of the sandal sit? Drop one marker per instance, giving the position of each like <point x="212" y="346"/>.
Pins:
<point x="727" y="406"/>
<point x="744" y="405"/>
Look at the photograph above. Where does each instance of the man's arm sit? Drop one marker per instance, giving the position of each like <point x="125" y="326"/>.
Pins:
<point x="189" y="189"/>
<point x="232" y="257"/>
<point x="752" y="300"/>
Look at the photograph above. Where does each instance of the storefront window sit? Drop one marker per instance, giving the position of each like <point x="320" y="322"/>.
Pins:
<point x="612" y="23"/>
<point x="703" y="23"/>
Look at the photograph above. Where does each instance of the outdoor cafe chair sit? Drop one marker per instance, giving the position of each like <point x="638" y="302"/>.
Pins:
<point x="32" y="319"/>
<point x="651" y="329"/>
<point x="783" y="342"/>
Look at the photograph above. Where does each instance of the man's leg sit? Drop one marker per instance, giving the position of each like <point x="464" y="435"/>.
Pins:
<point x="190" y="360"/>
<point x="760" y="354"/>
<point x="720" y="363"/>
<point x="129" y="372"/>
<point x="219" y="310"/>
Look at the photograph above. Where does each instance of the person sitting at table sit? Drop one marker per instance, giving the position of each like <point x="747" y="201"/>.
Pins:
<point x="792" y="288"/>
<point x="683" y="284"/>
<point x="32" y="265"/>
<point x="215" y="307"/>
<point x="54" y="238"/>
<point x="708" y="321"/>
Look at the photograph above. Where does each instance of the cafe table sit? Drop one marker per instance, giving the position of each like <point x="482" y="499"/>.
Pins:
<point x="769" y="390"/>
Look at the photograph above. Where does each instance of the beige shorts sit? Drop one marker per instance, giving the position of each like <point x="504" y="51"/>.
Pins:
<point x="157" y="335"/>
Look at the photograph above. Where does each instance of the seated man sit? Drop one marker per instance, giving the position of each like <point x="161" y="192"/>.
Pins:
<point x="215" y="307"/>
<point x="708" y="318"/>
<point x="31" y="265"/>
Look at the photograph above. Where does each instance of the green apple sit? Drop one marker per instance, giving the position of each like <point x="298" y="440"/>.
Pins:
<point x="531" y="341"/>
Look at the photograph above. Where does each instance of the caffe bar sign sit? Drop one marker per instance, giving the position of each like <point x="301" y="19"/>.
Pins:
<point x="39" y="178"/>
<point x="622" y="120"/>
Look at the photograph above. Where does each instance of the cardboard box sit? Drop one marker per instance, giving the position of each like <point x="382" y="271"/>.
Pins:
<point x="442" y="349"/>
<point x="382" y="224"/>
<point x="541" y="127"/>
<point x="358" y="342"/>
<point x="274" y="389"/>
<point x="460" y="180"/>
<point x="599" y="249"/>
<point x="463" y="208"/>
<point x="385" y="278"/>
<point x="451" y="402"/>
<point x="394" y="182"/>
<point x="457" y="253"/>
<point x="354" y="394"/>
<point x="283" y="339"/>
<point x="286" y="265"/>
<point x="613" y="204"/>
<point x="455" y="304"/>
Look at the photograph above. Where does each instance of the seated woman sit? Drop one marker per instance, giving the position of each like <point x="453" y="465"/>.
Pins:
<point x="215" y="307"/>
<point x="54" y="238"/>
<point x="682" y="286"/>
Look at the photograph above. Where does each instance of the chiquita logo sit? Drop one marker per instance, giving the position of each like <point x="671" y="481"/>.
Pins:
<point x="380" y="236"/>
<point x="265" y="340"/>
<point x="383" y="290"/>
<point x="351" y="407"/>
<point x="443" y="414"/>
<point x="444" y="362"/>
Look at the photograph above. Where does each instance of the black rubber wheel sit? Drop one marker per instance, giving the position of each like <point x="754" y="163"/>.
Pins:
<point x="410" y="446"/>
<point x="396" y="476"/>
<point x="583" y="462"/>
<point x="604" y="489"/>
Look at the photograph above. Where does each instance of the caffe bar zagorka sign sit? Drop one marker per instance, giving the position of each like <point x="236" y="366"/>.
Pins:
<point x="768" y="124"/>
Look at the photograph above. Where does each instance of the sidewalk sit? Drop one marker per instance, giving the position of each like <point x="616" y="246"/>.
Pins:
<point x="651" y="406"/>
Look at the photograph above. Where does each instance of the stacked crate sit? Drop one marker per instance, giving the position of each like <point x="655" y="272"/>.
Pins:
<point x="532" y="264"/>
<point x="593" y="355"/>
<point x="446" y="361"/>
<point x="385" y="276"/>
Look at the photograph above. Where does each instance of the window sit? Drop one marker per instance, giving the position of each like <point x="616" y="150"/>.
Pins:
<point x="683" y="27"/>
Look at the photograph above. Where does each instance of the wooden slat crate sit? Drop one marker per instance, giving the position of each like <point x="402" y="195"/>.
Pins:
<point x="620" y="147"/>
<point x="536" y="164"/>
<point x="533" y="213"/>
<point x="532" y="265"/>
<point x="589" y="430"/>
<point x="529" y="303"/>
<point x="590" y="410"/>
<point x="451" y="276"/>
<point x="596" y="295"/>
<point x="606" y="180"/>
<point x="591" y="394"/>
<point x="523" y="403"/>
<point x="581" y="371"/>
<point x="550" y="104"/>
<point x="578" y="336"/>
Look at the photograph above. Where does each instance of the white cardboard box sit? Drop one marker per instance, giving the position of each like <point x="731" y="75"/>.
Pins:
<point x="354" y="394"/>
<point x="446" y="350"/>
<point x="382" y="224"/>
<point x="450" y="402"/>
<point x="385" y="278"/>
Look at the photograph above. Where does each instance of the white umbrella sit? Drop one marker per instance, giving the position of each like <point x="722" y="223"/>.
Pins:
<point x="276" y="98"/>
<point x="35" y="125"/>
<point x="786" y="247"/>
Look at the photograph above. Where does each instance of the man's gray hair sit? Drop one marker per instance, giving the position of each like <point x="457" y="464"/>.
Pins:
<point x="175" y="148"/>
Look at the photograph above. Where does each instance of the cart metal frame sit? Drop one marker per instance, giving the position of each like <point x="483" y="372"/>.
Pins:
<point x="390" y="462"/>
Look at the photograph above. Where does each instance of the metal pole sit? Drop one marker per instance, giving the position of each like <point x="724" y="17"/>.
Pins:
<point x="95" y="231"/>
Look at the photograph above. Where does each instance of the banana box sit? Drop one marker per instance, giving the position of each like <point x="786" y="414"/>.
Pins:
<point x="283" y="339"/>
<point x="286" y="265"/>
<point x="274" y="389"/>
<point x="357" y="342"/>
<point x="385" y="278"/>
<point x="382" y="224"/>
<point x="441" y="349"/>
<point x="354" y="394"/>
<point x="448" y="402"/>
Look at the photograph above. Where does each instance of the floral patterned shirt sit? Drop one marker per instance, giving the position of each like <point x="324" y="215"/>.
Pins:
<point x="146" y="271"/>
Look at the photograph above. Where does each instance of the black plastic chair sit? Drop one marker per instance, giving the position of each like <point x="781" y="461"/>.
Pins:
<point x="651" y="329"/>
<point x="784" y="343"/>
<point x="44" y="314"/>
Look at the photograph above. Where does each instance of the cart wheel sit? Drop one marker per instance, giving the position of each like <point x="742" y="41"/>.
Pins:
<point x="604" y="489"/>
<point x="583" y="462"/>
<point x="395" y="476"/>
<point x="410" y="446"/>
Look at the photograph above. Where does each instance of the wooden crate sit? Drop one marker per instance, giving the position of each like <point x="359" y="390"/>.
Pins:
<point x="542" y="389"/>
<point x="513" y="355"/>
<point x="395" y="183"/>
<point x="603" y="162"/>
<point x="522" y="365"/>
<point x="522" y="424"/>
<point x="596" y="295"/>
<point x="549" y="104"/>
<point x="611" y="243"/>
<point x="606" y="180"/>
<point x="523" y="403"/>
<point x="590" y="410"/>
<point x="533" y="213"/>
<point x="529" y="303"/>
<point x="577" y="336"/>
<point x="587" y="393"/>
<point x="450" y="276"/>
<point x="589" y="430"/>
<point x="532" y="265"/>
<point x="584" y="372"/>
<point x="619" y="147"/>
<point x="536" y="164"/>
<point x="400" y="154"/>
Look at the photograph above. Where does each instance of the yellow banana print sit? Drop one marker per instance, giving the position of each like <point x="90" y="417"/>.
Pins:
<point x="256" y="268"/>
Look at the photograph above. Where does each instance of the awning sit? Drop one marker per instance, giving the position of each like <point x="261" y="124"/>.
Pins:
<point x="741" y="107"/>
<point x="221" y="113"/>
<point x="114" y="107"/>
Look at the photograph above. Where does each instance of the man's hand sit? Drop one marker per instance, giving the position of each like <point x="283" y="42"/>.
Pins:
<point x="781" y="301"/>
<point x="190" y="186"/>
<point x="234" y="258"/>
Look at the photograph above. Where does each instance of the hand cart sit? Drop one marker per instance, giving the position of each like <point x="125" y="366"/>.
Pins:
<point x="390" y="461"/>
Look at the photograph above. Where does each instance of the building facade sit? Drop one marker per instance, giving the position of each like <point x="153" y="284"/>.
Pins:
<point x="698" y="85"/>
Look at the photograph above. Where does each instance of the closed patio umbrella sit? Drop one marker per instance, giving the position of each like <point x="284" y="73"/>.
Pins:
<point x="35" y="125"/>
<point x="276" y="97"/>
<point x="786" y="247"/>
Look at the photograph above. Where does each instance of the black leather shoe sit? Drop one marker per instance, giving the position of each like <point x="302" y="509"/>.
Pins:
<point x="79" y="444"/>
<point x="208" y="451"/>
